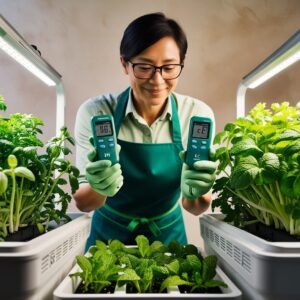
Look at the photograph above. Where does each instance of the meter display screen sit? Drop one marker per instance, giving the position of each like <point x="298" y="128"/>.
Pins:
<point x="201" y="130"/>
<point x="103" y="128"/>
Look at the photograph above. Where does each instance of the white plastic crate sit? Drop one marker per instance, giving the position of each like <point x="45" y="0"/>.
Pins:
<point x="31" y="270"/>
<point x="262" y="270"/>
<point x="67" y="288"/>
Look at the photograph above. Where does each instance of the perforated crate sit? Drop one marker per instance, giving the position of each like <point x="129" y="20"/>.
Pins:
<point x="31" y="270"/>
<point x="262" y="270"/>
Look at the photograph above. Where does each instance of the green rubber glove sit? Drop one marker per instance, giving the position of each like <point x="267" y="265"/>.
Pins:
<point x="198" y="181"/>
<point x="103" y="178"/>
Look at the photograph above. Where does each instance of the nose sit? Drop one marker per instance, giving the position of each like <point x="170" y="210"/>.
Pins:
<point x="157" y="76"/>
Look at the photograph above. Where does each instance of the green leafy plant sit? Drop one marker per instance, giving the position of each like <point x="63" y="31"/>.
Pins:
<point x="30" y="181"/>
<point x="260" y="166"/>
<point x="146" y="268"/>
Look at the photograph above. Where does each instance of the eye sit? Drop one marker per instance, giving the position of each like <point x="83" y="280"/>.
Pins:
<point x="169" y="68"/>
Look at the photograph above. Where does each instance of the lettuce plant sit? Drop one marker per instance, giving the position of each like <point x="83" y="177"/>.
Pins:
<point x="260" y="168"/>
<point x="30" y="180"/>
<point x="147" y="267"/>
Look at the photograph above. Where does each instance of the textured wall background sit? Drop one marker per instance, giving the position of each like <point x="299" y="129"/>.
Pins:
<point x="80" y="39"/>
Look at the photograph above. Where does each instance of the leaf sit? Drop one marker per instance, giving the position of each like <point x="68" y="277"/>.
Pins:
<point x="244" y="173"/>
<point x="160" y="269"/>
<point x="175" y="248"/>
<point x="66" y="150"/>
<point x="12" y="161"/>
<point x="24" y="172"/>
<point x="246" y="147"/>
<point x="173" y="267"/>
<point x="129" y="275"/>
<point x="209" y="267"/>
<point x="296" y="186"/>
<point x="215" y="283"/>
<point x="115" y="245"/>
<point x="74" y="183"/>
<point x="173" y="281"/>
<point x="143" y="245"/>
<point x="3" y="182"/>
<point x="84" y="263"/>
<point x="191" y="249"/>
<point x="157" y="246"/>
<point x="195" y="262"/>
<point x="287" y="135"/>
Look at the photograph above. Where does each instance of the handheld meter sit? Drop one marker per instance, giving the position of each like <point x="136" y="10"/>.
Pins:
<point x="105" y="140"/>
<point x="199" y="140"/>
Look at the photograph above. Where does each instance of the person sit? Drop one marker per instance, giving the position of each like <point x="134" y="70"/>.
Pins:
<point x="140" y="194"/>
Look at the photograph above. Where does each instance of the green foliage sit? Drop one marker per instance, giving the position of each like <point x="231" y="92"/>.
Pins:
<point x="260" y="162"/>
<point x="146" y="266"/>
<point x="30" y="181"/>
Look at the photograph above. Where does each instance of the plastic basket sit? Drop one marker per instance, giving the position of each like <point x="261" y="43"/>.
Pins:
<point x="67" y="288"/>
<point x="31" y="270"/>
<point x="262" y="270"/>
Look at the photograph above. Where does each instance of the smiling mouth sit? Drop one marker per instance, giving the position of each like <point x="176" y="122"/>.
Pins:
<point x="154" y="91"/>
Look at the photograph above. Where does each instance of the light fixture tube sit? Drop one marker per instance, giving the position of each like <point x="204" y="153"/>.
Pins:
<point x="16" y="47"/>
<point x="21" y="59"/>
<point x="283" y="57"/>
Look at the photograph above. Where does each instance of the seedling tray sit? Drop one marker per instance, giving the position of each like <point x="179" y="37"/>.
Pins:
<point x="67" y="288"/>
<point x="31" y="270"/>
<point x="262" y="270"/>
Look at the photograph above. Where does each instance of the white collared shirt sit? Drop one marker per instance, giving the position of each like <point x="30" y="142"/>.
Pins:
<point x="134" y="128"/>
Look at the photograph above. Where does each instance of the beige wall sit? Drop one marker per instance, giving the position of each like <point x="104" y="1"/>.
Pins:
<point x="80" y="39"/>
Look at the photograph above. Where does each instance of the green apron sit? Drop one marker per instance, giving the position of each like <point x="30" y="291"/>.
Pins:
<point x="147" y="203"/>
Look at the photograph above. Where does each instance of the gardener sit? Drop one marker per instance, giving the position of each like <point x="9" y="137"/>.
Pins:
<point x="139" y="195"/>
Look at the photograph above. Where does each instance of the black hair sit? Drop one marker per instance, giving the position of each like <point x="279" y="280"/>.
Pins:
<point x="146" y="30"/>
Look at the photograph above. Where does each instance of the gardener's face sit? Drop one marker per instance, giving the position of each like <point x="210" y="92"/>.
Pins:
<point x="155" y="90"/>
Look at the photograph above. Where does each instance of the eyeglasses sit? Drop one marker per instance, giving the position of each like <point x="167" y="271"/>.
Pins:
<point x="146" y="71"/>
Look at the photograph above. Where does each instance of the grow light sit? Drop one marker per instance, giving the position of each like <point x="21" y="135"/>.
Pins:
<point x="16" y="47"/>
<point x="283" y="57"/>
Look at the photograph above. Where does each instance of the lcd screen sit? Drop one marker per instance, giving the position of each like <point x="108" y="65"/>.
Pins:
<point x="103" y="128"/>
<point x="201" y="130"/>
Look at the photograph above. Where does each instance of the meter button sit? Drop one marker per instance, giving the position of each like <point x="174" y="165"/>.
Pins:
<point x="204" y="142"/>
<point x="102" y="146"/>
<point x="194" y="147"/>
<point x="203" y="147"/>
<point x="110" y="139"/>
<point x="100" y="141"/>
<point x="194" y="141"/>
<point x="111" y="145"/>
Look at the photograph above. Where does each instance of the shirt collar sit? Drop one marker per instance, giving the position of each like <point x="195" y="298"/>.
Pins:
<point x="130" y="109"/>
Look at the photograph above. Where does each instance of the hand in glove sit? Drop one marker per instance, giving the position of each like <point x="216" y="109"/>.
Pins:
<point x="103" y="178"/>
<point x="198" y="181"/>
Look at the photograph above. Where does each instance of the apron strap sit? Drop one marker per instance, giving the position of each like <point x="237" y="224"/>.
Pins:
<point x="121" y="109"/>
<point x="136" y="221"/>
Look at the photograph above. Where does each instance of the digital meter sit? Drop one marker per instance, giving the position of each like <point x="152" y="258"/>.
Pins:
<point x="105" y="140"/>
<point x="199" y="140"/>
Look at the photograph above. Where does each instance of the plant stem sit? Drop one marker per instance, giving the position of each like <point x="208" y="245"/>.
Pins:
<point x="12" y="200"/>
<point x="255" y="205"/>
<point x="18" y="205"/>
<point x="282" y="202"/>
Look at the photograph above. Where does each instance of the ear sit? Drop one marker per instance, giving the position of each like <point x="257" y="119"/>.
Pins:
<point x="124" y="65"/>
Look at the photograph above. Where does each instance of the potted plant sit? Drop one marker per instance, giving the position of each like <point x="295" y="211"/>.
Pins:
<point x="147" y="270"/>
<point x="31" y="200"/>
<point x="258" y="236"/>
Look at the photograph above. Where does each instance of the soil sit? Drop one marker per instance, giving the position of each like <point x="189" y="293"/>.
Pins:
<point x="270" y="234"/>
<point x="186" y="289"/>
<point x="130" y="289"/>
<point x="24" y="234"/>
<point x="107" y="290"/>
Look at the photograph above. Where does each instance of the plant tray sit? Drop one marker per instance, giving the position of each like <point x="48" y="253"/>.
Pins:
<point x="262" y="270"/>
<point x="32" y="270"/>
<point x="67" y="288"/>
